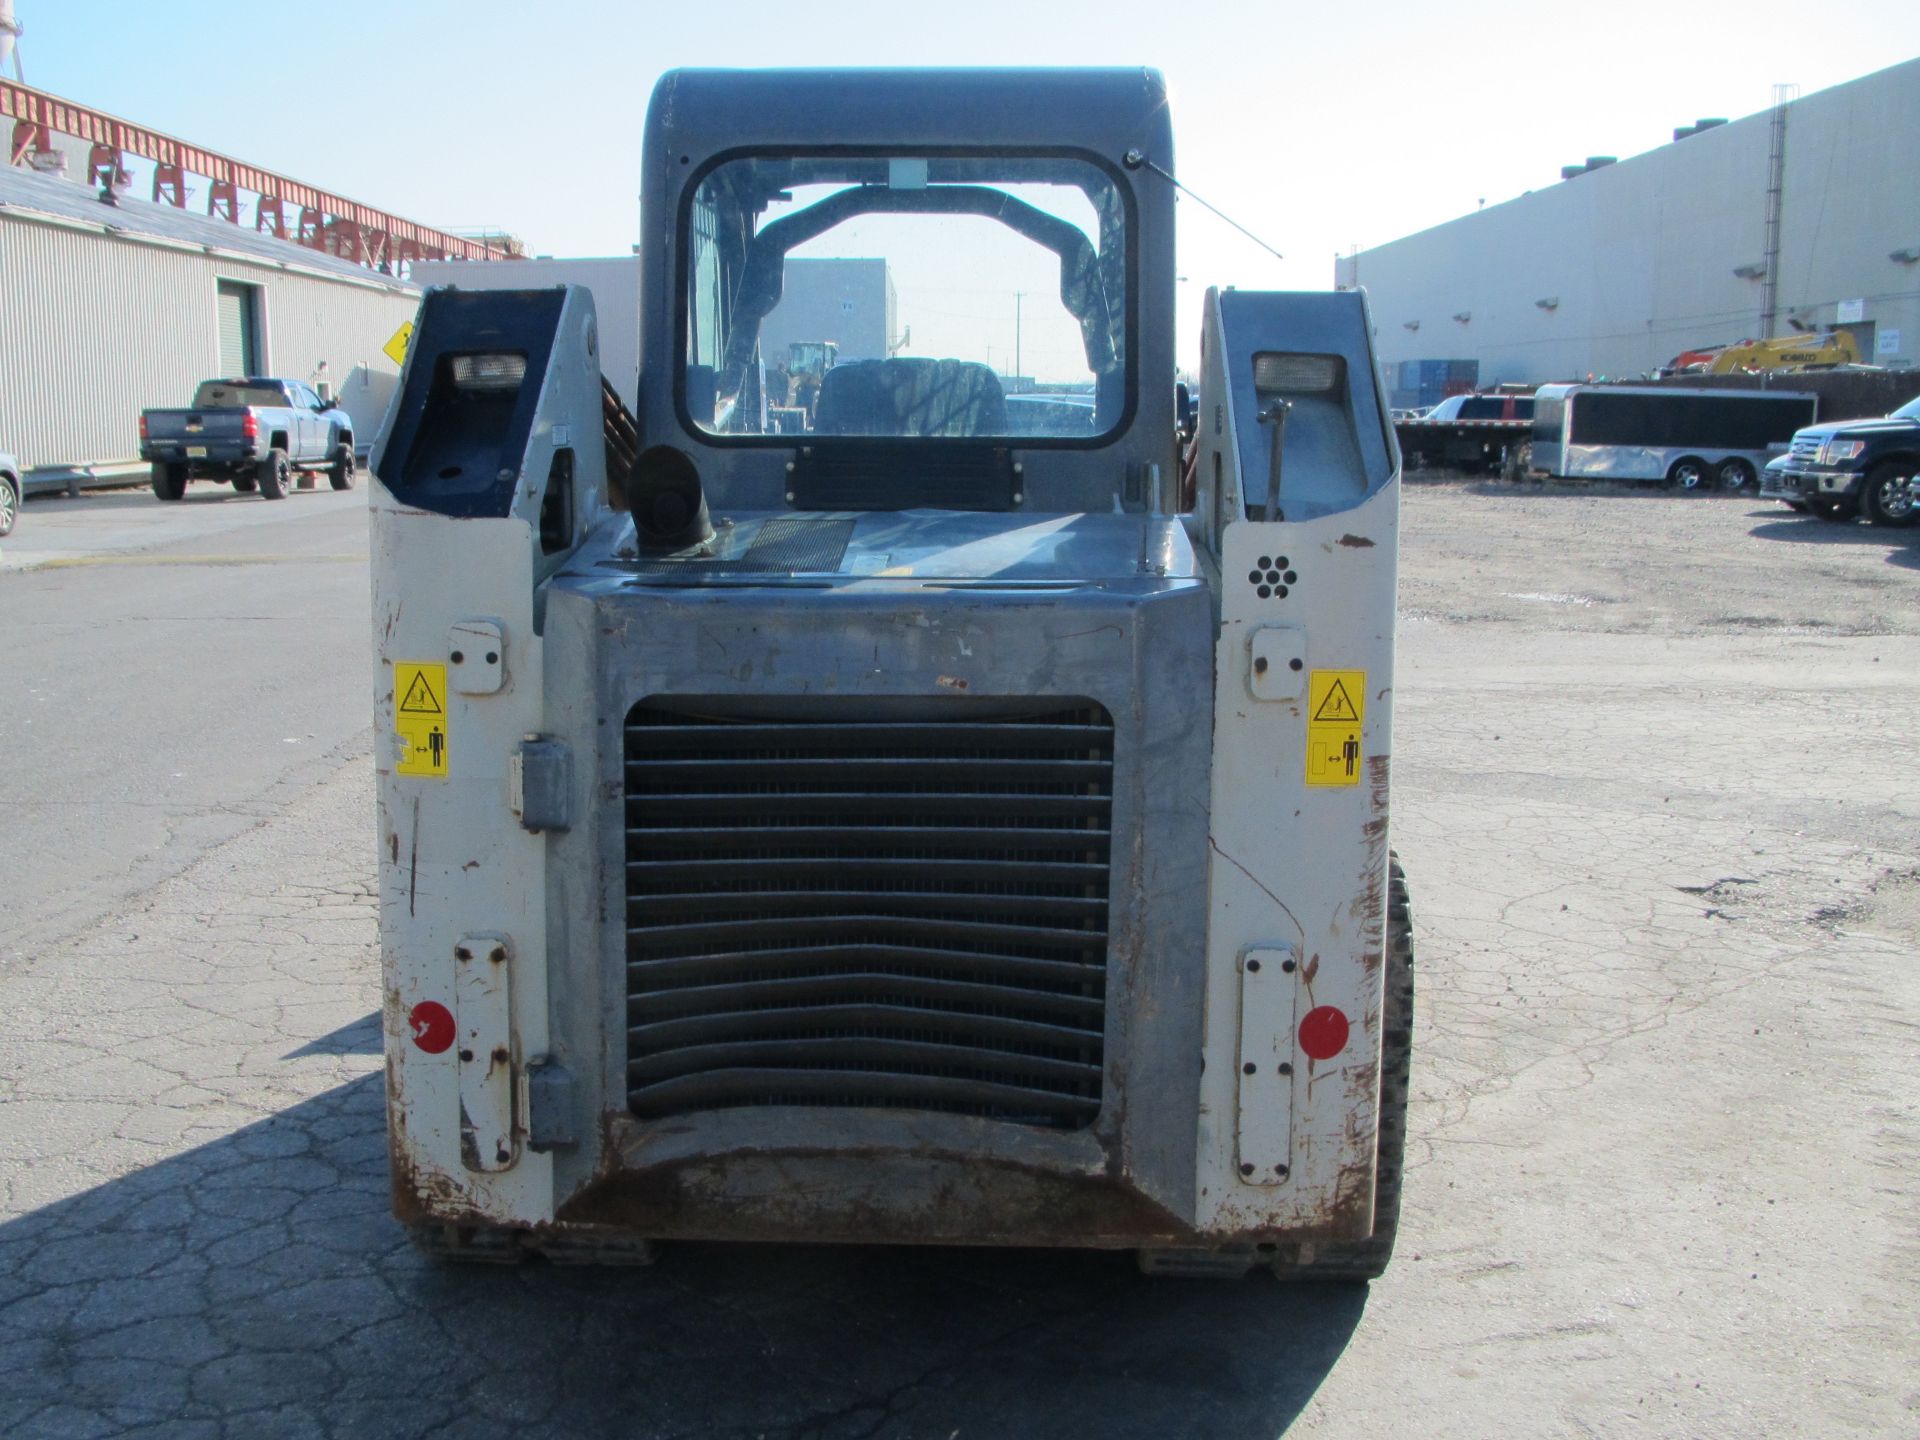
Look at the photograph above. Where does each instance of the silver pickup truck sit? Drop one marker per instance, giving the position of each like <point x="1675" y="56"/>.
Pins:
<point x="254" y="432"/>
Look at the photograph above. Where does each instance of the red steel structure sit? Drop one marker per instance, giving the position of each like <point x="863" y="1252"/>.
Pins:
<point x="285" y="208"/>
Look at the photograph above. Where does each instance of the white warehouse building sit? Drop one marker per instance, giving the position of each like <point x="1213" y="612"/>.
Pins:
<point x="109" y="309"/>
<point x="1805" y="217"/>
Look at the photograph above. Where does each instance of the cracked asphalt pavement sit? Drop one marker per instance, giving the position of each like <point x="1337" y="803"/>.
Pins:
<point x="1658" y="792"/>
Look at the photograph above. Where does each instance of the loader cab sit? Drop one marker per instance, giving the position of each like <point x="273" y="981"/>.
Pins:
<point x="997" y="283"/>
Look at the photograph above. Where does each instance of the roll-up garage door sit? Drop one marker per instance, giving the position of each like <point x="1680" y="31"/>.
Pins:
<point x="239" y="345"/>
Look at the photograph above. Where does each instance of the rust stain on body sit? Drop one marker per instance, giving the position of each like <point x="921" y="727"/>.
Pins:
<point x="413" y="860"/>
<point x="844" y="1196"/>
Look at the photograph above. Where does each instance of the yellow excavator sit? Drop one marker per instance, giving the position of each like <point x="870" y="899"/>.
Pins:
<point x="1822" y="351"/>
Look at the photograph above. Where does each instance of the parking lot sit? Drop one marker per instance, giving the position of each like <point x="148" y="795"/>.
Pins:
<point x="1658" y="794"/>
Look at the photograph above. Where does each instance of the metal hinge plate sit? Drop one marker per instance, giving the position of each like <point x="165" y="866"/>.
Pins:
<point x="484" y="1041"/>
<point x="1269" y="982"/>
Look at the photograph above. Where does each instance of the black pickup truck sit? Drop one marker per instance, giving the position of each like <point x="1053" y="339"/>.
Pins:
<point x="1853" y="467"/>
<point x="254" y="431"/>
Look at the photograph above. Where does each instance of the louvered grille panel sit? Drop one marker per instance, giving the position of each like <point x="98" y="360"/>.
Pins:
<point x="846" y="908"/>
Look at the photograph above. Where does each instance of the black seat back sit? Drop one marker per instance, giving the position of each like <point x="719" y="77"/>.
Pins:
<point x="911" y="396"/>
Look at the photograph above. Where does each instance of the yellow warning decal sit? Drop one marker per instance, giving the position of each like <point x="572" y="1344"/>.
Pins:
<point x="420" y="717"/>
<point x="396" y="348"/>
<point x="1336" y="708"/>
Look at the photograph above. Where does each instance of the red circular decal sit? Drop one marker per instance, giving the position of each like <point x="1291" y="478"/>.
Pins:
<point x="432" y="1026"/>
<point x="1323" y="1034"/>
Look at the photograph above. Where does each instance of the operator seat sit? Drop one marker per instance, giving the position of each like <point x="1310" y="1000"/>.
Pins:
<point x="911" y="396"/>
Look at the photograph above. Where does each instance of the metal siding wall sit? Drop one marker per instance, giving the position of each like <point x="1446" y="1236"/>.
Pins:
<point x="94" y="329"/>
<point x="84" y="344"/>
<point x="1850" y="201"/>
<point x="1640" y="255"/>
<point x="309" y="320"/>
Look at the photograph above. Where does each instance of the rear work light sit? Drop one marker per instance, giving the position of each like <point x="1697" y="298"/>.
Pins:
<point x="489" y="372"/>
<point x="1297" y="374"/>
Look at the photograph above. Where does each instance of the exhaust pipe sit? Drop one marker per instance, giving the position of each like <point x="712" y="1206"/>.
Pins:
<point x="668" y="504"/>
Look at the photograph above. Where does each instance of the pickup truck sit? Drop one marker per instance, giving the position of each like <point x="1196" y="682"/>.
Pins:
<point x="255" y="432"/>
<point x="1852" y="467"/>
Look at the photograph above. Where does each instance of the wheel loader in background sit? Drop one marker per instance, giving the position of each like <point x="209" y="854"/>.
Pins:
<point x="917" y="828"/>
<point x="807" y="364"/>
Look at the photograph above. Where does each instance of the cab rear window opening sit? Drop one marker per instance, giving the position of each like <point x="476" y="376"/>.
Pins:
<point x="237" y="395"/>
<point x="1008" y="292"/>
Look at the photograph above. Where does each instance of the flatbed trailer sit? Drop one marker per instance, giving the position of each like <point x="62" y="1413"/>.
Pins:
<point x="1484" y="433"/>
<point x="1461" y="444"/>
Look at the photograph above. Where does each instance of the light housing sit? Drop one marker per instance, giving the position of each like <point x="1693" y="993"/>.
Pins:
<point x="1835" y="451"/>
<point x="1292" y="373"/>
<point x="489" y="372"/>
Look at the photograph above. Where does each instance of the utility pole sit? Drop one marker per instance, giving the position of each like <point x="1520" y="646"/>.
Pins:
<point x="1783" y="95"/>
<point x="1018" y="296"/>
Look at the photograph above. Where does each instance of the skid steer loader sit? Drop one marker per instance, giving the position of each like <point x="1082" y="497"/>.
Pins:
<point x="963" y="820"/>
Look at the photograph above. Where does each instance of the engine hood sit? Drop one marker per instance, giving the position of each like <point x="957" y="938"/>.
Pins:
<point x="1856" y="429"/>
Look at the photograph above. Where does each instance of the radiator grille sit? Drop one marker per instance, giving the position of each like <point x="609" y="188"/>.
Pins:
<point x="861" y="909"/>
<point x="1807" y="450"/>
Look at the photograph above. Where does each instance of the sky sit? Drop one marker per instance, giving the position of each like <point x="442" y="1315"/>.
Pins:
<point x="1318" y="127"/>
